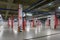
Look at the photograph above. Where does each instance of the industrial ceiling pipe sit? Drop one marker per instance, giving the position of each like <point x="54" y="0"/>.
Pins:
<point x="37" y="4"/>
<point x="8" y="9"/>
<point x="34" y="4"/>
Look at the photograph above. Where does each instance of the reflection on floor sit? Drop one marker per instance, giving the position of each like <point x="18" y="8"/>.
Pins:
<point x="33" y="33"/>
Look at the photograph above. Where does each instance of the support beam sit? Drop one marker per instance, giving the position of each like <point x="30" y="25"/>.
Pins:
<point x="34" y="4"/>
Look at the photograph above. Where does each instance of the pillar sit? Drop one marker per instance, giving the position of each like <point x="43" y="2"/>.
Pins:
<point x="9" y="22"/>
<point x="43" y="23"/>
<point x="12" y="21"/>
<point x="24" y="23"/>
<point x="53" y="21"/>
<point x="56" y="22"/>
<point x="33" y="22"/>
<point x="20" y="21"/>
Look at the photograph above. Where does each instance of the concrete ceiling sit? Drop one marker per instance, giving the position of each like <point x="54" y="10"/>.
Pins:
<point x="43" y="5"/>
<point x="13" y="4"/>
<point x="50" y="7"/>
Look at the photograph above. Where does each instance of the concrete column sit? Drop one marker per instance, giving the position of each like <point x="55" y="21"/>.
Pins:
<point x="43" y="23"/>
<point x="53" y="21"/>
<point x="20" y="19"/>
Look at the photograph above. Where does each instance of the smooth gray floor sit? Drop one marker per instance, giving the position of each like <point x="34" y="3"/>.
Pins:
<point x="52" y="37"/>
<point x="30" y="34"/>
<point x="43" y="35"/>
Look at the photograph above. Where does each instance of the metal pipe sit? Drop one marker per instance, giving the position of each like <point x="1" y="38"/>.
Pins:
<point x="9" y="9"/>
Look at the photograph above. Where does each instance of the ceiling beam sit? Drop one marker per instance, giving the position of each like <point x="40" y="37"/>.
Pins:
<point x="33" y="4"/>
<point x="38" y="4"/>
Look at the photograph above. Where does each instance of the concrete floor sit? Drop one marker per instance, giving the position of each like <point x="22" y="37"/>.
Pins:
<point x="36" y="33"/>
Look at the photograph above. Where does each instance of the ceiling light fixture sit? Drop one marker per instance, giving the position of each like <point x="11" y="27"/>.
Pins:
<point x="29" y="14"/>
<point x="58" y="7"/>
<point x="49" y="3"/>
